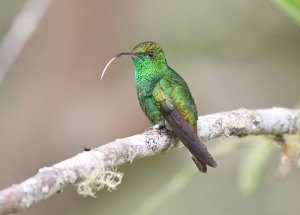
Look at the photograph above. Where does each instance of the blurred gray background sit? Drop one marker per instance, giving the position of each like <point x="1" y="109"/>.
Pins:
<point x="232" y="53"/>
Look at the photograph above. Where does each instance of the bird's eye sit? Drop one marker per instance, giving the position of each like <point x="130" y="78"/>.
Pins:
<point x="151" y="54"/>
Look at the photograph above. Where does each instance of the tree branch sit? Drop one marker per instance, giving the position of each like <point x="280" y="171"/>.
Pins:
<point x="50" y="180"/>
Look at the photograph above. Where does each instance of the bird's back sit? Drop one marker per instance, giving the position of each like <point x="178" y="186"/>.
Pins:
<point x="182" y="97"/>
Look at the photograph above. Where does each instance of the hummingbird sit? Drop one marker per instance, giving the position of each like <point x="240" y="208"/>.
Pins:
<point x="166" y="100"/>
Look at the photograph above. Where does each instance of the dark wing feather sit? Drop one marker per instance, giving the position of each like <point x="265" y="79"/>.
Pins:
<point x="188" y="136"/>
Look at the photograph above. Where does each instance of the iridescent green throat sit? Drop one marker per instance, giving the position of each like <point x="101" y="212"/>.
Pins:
<point x="147" y="74"/>
<point x="150" y="65"/>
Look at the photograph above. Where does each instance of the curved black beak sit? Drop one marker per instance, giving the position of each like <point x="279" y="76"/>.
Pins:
<point x="132" y="54"/>
<point x="128" y="54"/>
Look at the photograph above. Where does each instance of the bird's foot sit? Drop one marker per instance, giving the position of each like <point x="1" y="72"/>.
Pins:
<point x="160" y="128"/>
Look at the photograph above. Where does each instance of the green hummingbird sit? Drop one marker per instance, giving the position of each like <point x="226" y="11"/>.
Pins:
<point x="166" y="99"/>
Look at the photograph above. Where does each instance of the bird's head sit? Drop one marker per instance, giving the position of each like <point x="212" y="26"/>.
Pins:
<point x="147" y="57"/>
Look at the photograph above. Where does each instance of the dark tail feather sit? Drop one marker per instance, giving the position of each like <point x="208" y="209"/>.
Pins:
<point x="199" y="153"/>
<point x="200" y="164"/>
<point x="188" y="136"/>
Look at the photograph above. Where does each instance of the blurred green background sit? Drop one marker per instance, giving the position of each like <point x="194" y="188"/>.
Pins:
<point x="232" y="53"/>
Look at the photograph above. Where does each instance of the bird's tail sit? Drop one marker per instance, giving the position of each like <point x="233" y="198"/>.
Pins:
<point x="200" y="155"/>
<point x="201" y="165"/>
<point x="188" y="136"/>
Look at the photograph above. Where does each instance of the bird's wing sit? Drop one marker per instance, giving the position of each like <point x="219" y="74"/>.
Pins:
<point x="180" y="126"/>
